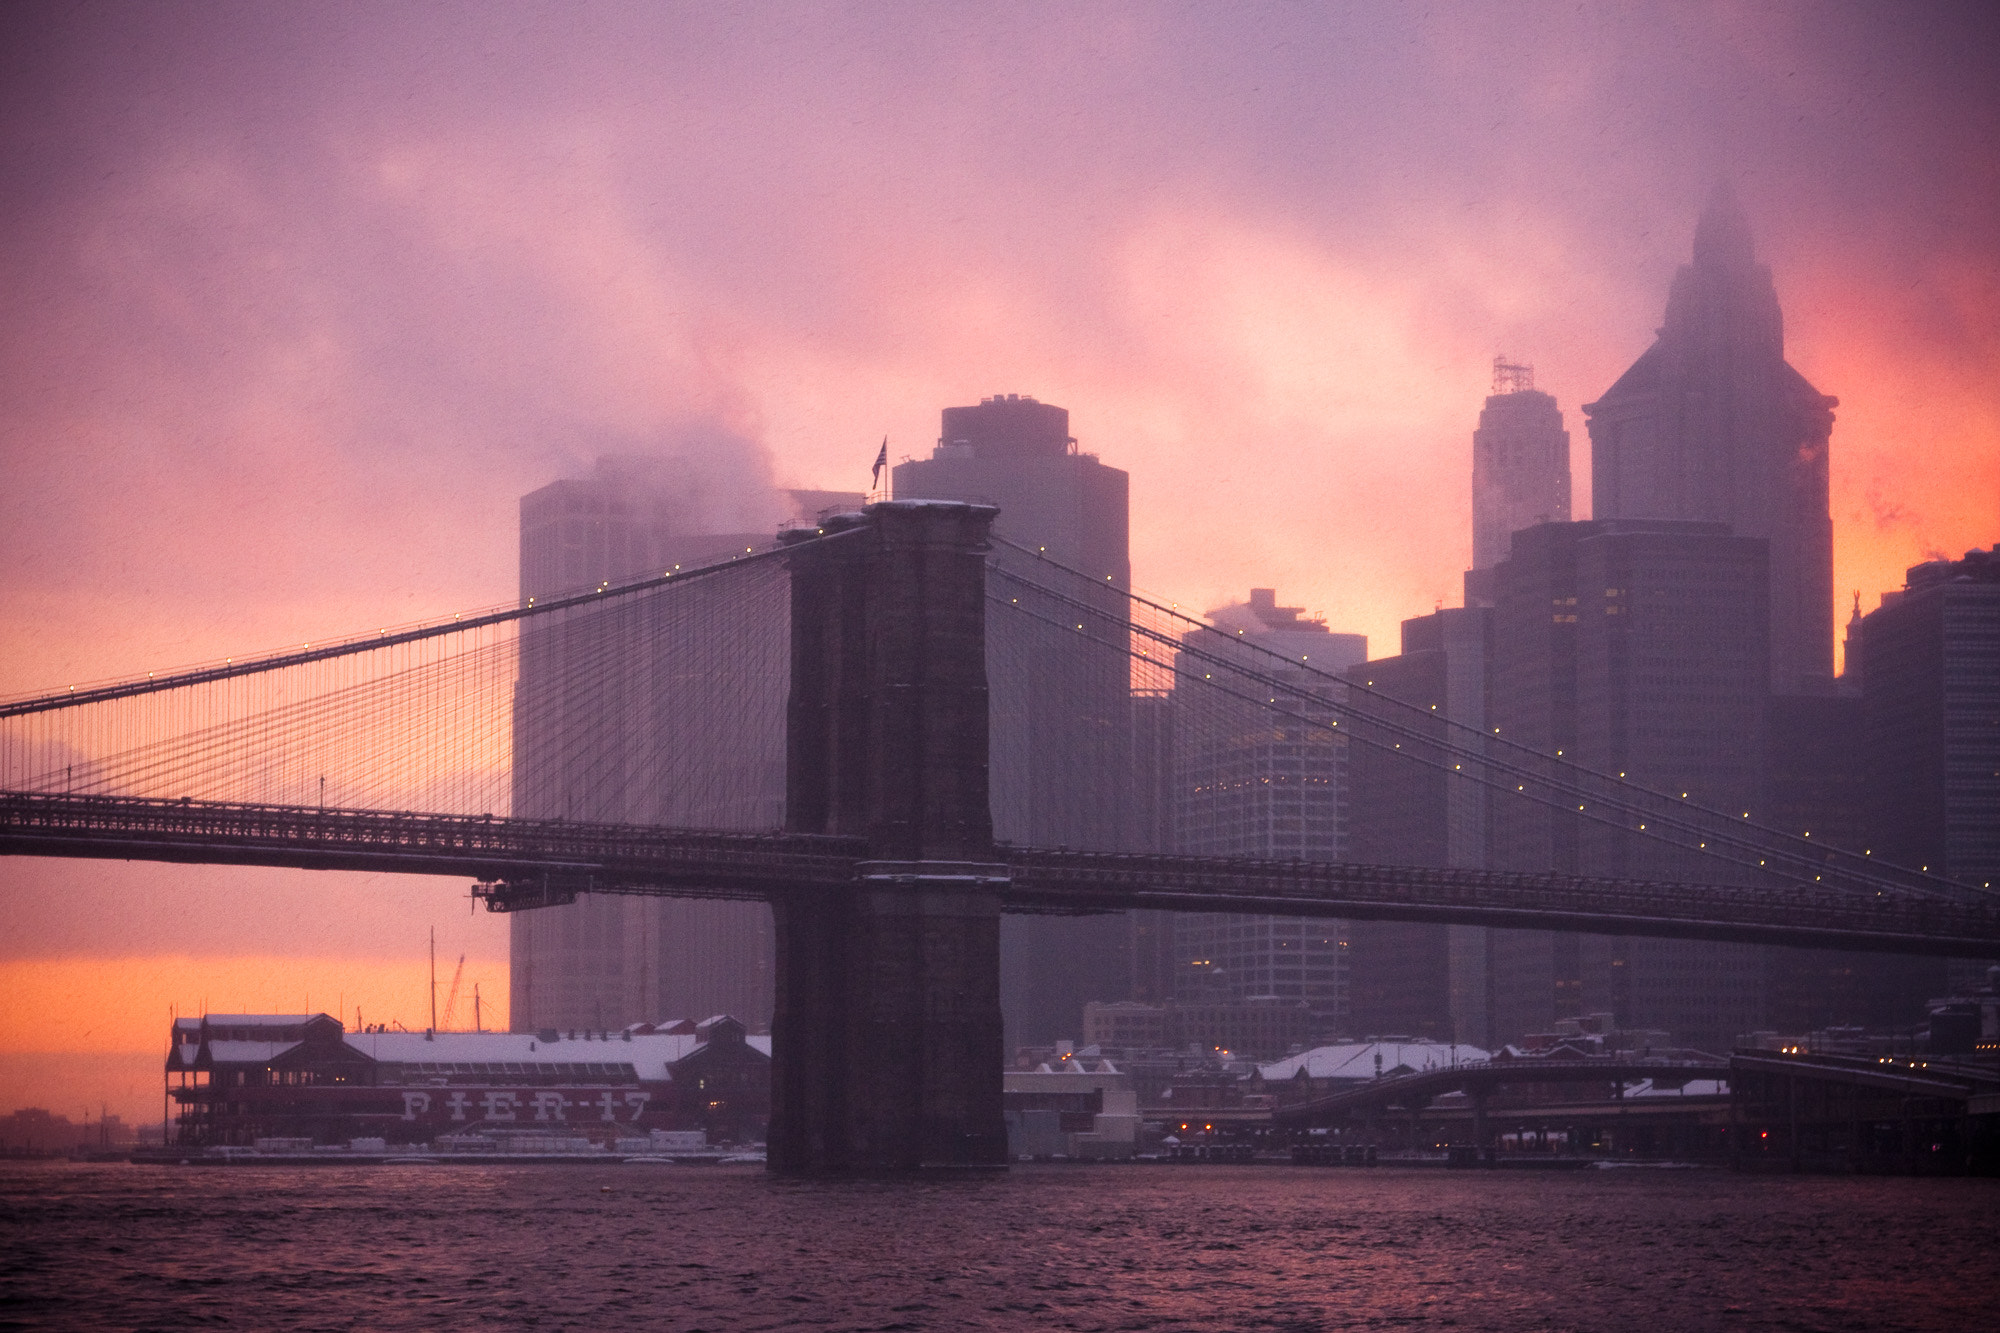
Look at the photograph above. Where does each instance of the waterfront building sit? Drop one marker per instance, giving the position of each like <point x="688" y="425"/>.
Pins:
<point x="35" y="1131"/>
<point x="1061" y="746"/>
<point x="1080" y="1110"/>
<point x="1331" y="1068"/>
<point x="1711" y="424"/>
<point x="1799" y="1110"/>
<point x="236" y="1078"/>
<point x="1250" y="785"/>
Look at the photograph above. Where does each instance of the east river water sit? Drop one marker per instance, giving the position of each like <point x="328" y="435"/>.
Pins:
<point x="1140" y="1247"/>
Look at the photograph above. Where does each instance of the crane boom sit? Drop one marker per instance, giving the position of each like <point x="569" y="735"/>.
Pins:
<point x="451" y="999"/>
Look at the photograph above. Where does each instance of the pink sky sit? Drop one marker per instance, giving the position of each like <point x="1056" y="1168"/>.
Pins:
<point x="298" y="302"/>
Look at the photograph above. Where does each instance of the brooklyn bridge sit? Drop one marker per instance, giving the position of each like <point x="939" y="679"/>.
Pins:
<point x="866" y="660"/>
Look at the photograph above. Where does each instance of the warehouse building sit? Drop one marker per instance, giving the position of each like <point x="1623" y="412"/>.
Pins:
<point x="232" y="1079"/>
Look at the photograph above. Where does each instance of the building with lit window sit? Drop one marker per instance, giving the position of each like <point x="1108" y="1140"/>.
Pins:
<point x="1636" y="648"/>
<point x="233" y="1079"/>
<point x="1060" y="751"/>
<point x="1930" y="705"/>
<point x="1251" y="784"/>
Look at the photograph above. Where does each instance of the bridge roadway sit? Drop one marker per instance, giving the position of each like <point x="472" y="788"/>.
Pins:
<point x="1482" y="1077"/>
<point x="524" y="863"/>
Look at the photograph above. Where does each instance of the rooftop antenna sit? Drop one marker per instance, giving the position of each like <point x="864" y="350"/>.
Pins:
<point x="1511" y="378"/>
<point x="434" y="978"/>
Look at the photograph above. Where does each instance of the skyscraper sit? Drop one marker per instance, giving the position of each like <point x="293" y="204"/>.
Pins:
<point x="1410" y="804"/>
<point x="1712" y="425"/>
<point x="1061" y="745"/>
<point x="1248" y="784"/>
<point x="1930" y="706"/>
<point x="1520" y="470"/>
<point x="1155" y="964"/>
<point x="592" y="748"/>
<point x="1638" y="648"/>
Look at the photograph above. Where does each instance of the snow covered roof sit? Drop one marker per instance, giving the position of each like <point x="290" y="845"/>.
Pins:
<point x="231" y="1041"/>
<point x="1356" y="1060"/>
<point x="247" y="1052"/>
<point x="1694" y="1087"/>
<point x="649" y="1054"/>
<point x="1073" y="1076"/>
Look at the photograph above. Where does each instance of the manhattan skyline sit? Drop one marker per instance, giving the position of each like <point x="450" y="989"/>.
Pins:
<point x="299" y="305"/>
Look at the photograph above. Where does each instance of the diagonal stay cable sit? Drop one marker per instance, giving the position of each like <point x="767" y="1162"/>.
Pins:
<point x="231" y="668"/>
<point x="1266" y="707"/>
<point x="1798" y="864"/>
<point x="1696" y="833"/>
<point x="1865" y="869"/>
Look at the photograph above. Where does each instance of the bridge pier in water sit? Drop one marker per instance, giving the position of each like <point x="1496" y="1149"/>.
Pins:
<point x="886" y="1039"/>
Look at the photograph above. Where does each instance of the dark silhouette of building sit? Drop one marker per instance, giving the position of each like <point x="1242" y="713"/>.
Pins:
<point x="1248" y="784"/>
<point x="1405" y="807"/>
<point x="1930" y="671"/>
<point x="1849" y="680"/>
<point x="1155" y="963"/>
<point x="635" y="750"/>
<point x="1520" y="470"/>
<point x="1711" y="424"/>
<point x="1262" y="1028"/>
<point x="1061" y="731"/>
<point x="1635" y="648"/>
<point x="1816" y="783"/>
<point x="35" y="1131"/>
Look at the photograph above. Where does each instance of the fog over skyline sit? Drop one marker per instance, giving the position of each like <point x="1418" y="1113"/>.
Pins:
<point x="299" y="302"/>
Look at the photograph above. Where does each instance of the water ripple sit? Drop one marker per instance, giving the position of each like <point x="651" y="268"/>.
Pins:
<point x="1197" y="1248"/>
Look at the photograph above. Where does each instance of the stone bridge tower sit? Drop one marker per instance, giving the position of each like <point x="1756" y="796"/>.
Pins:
<point x="887" y="1033"/>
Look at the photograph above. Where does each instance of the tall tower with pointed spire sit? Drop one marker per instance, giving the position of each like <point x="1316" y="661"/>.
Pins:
<point x="1711" y="424"/>
<point x="1520" y="471"/>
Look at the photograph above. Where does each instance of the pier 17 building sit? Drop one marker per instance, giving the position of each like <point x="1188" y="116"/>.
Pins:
<point x="303" y="1079"/>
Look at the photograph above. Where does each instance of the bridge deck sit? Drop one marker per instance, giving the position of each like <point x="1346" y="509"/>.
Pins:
<point x="535" y="862"/>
